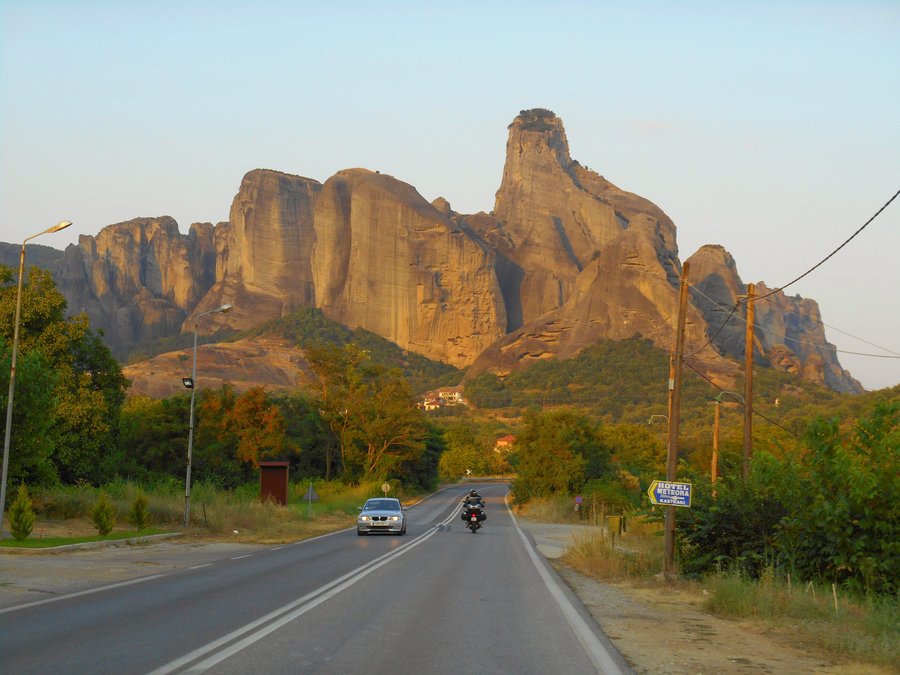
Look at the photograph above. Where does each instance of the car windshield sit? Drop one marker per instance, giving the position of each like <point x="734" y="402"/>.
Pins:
<point x="382" y="505"/>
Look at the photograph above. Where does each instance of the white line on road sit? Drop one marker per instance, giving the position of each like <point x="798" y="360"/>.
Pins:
<point x="241" y="557"/>
<point x="595" y="649"/>
<point x="80" y="593"/>
<point x="280" y="617"/>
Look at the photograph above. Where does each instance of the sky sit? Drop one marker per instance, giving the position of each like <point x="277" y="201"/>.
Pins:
<point x="770" y="128"/>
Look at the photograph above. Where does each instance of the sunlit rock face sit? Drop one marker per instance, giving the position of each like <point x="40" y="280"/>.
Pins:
<point x="564" y="259"/>
<point x="138" y="280"/>
<point x="264" y="269"/>
<point x="389" y="261"/>
<point x="788" y="331"/>
<point x="554" y="216"/>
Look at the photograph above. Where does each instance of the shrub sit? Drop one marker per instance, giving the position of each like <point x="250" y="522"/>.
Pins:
<point x="21" y="514"/>
<point x="140" y="513"/>
<point x="103" y="513"/>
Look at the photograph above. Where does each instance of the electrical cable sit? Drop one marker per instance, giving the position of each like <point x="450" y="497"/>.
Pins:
<point x="719" y="329"/>
<point x="752" y="410"/>
<point x="825" y="259"/>
<point x="791" y="339"/>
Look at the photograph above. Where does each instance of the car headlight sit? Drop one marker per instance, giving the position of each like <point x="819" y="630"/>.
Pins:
<point x="364" y="518"/>
<point x="395" y="517"/>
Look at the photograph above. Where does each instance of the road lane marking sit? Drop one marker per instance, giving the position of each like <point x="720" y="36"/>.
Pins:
<point x="241" y="557"/>
<point x="80" y="593"/>
<point x="197" y="567"/>
<point x="596" y="651"/>
<point x="283" y="615"/>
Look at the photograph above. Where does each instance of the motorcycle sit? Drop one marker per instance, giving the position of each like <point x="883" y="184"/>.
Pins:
<point x="473" y="515"/>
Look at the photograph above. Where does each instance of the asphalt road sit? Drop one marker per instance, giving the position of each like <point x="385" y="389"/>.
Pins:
<point x="438" y="600"/>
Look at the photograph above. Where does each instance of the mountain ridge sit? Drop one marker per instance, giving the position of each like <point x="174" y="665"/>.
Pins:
<point x="565" y="258"/>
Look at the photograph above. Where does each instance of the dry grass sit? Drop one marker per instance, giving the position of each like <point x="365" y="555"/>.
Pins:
<point x="601" y="554"/>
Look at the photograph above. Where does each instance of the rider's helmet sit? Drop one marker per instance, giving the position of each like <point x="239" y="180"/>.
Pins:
<point x="473" y="493"/>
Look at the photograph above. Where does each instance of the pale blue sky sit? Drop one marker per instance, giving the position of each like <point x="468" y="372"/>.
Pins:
<point x="771" y="128"/>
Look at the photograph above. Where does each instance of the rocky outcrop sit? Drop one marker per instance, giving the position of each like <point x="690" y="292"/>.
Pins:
<point x="565" y="258"/>
<point x="244" y="364"/>
<point x="263" y="257"/>
<point x="138" y="280"/>
<point x="389" y="261"/>
<point x="788" y="331"/>
<point x="553" y="216"/>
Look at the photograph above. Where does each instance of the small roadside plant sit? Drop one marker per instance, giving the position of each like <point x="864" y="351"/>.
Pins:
<point x="103" y="513"/>
<point x="21" y="514"/>
<point x="139" y="516"/>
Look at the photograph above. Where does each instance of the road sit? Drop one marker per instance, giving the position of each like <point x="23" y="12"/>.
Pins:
<point x="439" y="600"/>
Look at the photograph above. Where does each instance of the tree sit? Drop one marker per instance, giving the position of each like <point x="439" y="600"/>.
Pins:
<point x="83" y="385"/>
<point x="554" y="450"/>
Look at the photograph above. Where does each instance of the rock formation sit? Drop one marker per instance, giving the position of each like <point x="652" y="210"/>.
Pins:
<point x="564" y="259"/>
<point x="788" y="335"/>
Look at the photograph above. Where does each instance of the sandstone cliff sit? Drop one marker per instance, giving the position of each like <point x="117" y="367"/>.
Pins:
<point x="788" y="335"/>
<point x="565" y="258"/>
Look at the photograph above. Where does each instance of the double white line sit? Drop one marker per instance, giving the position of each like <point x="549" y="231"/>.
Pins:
<point x="245" y="636"/>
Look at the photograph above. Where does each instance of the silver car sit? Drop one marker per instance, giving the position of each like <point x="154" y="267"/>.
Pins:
<point x="382" y="514"/>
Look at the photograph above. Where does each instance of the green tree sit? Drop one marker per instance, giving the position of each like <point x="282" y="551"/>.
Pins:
<point x="87" y="389"/>
<point x="21" y="514"/>
<point x="555" y="451"/>
<point x="139" y="516"/>
<point x="847" y="527"/>
<point x="371" y="411"/>
<point x="103" y="514"/>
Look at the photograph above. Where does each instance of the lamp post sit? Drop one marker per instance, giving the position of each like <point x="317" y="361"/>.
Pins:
<point x="190" y="383"/>
<point x="714" y="463"/>
<point x="61" y="225"/>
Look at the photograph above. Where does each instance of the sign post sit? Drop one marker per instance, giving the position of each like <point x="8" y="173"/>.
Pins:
<point x="668" y="493"/>
<point x="385" y="488"/>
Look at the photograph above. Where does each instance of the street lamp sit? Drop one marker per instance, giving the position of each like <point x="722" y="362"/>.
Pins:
<point x="189" y="383"/>
<point x="714" y="463"/>
<point x="61" y="225"/>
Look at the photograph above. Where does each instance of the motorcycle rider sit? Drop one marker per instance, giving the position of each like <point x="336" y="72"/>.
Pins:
<point x="473" y="499"/>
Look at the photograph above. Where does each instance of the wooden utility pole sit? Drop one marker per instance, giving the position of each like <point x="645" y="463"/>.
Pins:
<point x="714" y="464"/>
<point x="748" y="386"/>
<point x="674" y="414"/>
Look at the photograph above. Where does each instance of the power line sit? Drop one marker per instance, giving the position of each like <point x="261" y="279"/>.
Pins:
<point x="719" y="329"/>
<point x="821" y="262"/>
<point x="754" y="410"/>
<point x="791" y="339"/>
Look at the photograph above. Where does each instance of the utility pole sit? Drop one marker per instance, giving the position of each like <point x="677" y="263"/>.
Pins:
<point x="674" y="414"/>
<point x="748" y="386"/>
<point x="714" y="464"/>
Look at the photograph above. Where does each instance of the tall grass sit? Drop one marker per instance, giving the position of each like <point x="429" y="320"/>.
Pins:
<point x="228" y="513"/>
<point x="599" y="553"/>
<point x="864" y="628"/>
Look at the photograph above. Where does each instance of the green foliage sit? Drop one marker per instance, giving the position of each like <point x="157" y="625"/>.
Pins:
<point x="487" y="391"/>
<point x="830" y="514"/>
<point x="67" y="408"/>
<point x="103" y="514"/>
<point x="557" y="450"/>
<point x="735" y="530"/>
<point x="139" y="516"/>
<point x="308" y="328"/>
<point x="21" y="514"/>
<point x="847" y="529"/>
<point x="371" y="412"/>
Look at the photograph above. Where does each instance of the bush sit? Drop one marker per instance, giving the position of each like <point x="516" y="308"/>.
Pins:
<point x="21" y="514"/>
<point x="140" y="513"/>
<point x="103" y="513"/>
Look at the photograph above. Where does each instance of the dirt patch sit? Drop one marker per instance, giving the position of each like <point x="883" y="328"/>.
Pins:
<point x="665" y="632"/>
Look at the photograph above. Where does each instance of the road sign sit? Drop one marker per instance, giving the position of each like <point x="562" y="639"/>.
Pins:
<point x="578" y="500"/>
<point x="670" y="494"/>
<point x="385" y="488"/>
